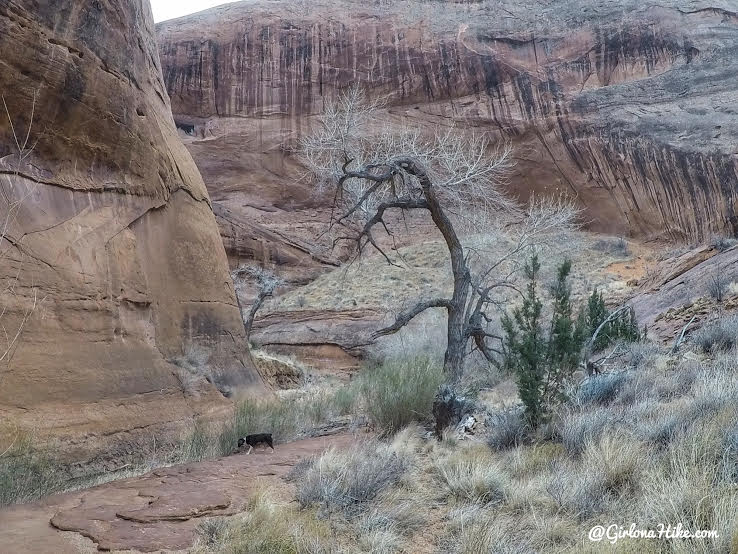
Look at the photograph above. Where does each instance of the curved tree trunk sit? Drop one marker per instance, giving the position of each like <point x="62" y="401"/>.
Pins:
<point x="248" y="321"/>
<point x="453" y="361"/>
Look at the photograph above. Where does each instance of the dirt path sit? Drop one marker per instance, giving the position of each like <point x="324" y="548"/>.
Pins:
<point x="157" y="511"/>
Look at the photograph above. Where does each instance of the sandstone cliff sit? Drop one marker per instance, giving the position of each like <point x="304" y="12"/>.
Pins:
<point x="135" y="328"/>
<point x="628" y="106"/>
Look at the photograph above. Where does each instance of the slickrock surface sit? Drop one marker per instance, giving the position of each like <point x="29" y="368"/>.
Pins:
<point x="158" y="511"/>
<point x="113" y="236"/>
<point x="682" y="290"/>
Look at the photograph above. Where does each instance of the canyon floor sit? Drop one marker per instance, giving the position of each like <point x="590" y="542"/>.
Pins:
<point x="158" y="511"/>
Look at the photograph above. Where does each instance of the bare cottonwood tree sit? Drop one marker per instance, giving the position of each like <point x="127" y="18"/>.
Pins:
<point x="14" y="310"/>
<point x="456" y="178"/>
<point x="266" y="283"/>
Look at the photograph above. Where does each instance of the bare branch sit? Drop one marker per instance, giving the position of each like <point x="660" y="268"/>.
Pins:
<point x="680" y="338"/>
<point x="590" y="343"/>
<point x="405" y="317"/>
<point x="266" y="283"/>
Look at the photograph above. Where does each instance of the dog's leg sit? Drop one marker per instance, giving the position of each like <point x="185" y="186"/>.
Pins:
<point x="250" y="449"/>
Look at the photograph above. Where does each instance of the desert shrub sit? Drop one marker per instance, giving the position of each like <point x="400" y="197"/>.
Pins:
<point x="599" y="389"/>
<point x="400" y="392"/>
<point x="717" y="336"/>
<point x="723" y="243"/>
<point x="576" y="429"/>
<point x="470" y="475"/>
<point x="717" y="285"/>
<point x="614" y="246"/>
<point x="507" y="429"/>
<point x="623" y="327"/>
<point x="25" y="474"/>
<point x="347" y="481"/>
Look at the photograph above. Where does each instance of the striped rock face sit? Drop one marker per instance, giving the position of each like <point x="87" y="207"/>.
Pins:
<point x="626" y="105"/>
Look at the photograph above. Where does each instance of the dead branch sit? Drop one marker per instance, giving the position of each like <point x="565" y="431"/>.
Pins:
<point x="680" y="338"/>
<point x="590" y="343"/>
<point x="407" y="316"/>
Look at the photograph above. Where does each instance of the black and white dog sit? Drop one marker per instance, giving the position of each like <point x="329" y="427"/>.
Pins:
<point x="255" y="440"/>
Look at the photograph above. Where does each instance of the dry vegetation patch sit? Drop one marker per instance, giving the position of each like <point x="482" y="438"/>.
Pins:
<point x="422" y="271"/>
<point x="655" y="442"/>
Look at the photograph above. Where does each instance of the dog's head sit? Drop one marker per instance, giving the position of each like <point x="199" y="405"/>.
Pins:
<point x="241" y="441"/>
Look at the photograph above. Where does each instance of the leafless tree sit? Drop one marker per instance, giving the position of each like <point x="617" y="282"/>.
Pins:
<point x="718" y="285"/>
<point x="14" y="311"/>
<point x="266" y="283"/>
<point x="457" y="178"/>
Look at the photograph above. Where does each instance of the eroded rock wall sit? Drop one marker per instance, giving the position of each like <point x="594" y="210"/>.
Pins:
<point x="112" y="250"/>
<point x="627" y="106"/>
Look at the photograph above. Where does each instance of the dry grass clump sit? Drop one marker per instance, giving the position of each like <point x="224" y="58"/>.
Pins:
<point x="286" y="418"/>
<point x="470" y="475"/>
<point x="486" y="533"/>
<point x="346" y="482"/>
<point x="400" y="392"/>
<point x="508" y="429"/>
<point x="391" y="519"/>
<point x="25" y="474"/>
<point x="267" y="526"/>
<point x="717" y="336"/>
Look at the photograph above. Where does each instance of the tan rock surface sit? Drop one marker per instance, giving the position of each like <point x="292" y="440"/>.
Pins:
<point x="157" y="511"/>
<point x="681" y="290"/>
<point x="113" y="235"/>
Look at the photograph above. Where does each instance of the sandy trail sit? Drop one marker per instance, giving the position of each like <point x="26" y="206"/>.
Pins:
<point x="158" y="511"/>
